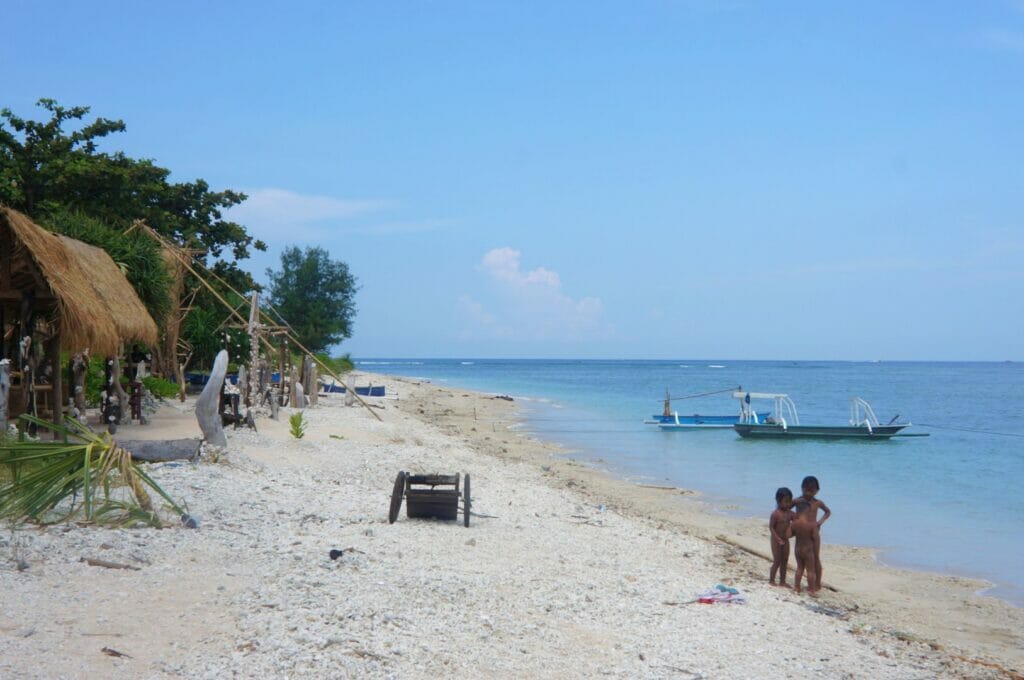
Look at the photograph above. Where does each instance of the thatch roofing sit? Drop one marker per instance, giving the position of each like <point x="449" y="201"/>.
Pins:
<point x="98" y="308"/>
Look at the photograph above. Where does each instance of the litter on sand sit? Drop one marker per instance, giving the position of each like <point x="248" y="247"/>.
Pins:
<point x="721" y="593"/>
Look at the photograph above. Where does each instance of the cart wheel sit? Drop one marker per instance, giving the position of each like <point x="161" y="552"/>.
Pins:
<point x="396" y="497"/>
<point x="466" y="502"/>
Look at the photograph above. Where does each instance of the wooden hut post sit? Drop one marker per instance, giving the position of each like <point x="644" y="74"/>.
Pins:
<point x="281" y="365"/>
<point x="26" y="361"/>
<point x="293" y="400"/>
<point x="56" y="377"/>
<point x="314" y="382"/>
<point x="5" y="388"/>
<point x="254" y="350"/>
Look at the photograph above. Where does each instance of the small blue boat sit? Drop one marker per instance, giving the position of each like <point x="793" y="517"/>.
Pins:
<point x="668" y="420"/>
<point x="368" y="391"/>
<point x="681" y="422"/>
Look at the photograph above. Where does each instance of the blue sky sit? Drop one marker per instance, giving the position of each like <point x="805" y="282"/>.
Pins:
<point x="687" y="179"/>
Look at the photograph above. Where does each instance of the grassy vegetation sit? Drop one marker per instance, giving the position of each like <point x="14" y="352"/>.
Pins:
<point x="297" y="424"/>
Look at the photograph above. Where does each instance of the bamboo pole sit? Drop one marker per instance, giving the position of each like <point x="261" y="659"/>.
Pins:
<point x="176" y="252"/>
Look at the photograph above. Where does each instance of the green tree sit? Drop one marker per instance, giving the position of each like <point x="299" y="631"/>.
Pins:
<point x="54" y="171"/>
<point x="44" y="169"/>
<point x="315" y="296"/>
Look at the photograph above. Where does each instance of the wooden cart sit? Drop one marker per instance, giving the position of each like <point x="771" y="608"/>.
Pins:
<point x="430" y="496"/>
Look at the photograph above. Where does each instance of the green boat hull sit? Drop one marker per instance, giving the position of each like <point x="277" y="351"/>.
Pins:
<point x="816" y="432"/>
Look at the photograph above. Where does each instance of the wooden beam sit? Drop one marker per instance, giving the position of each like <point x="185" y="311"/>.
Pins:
<point x="12" y="294"/>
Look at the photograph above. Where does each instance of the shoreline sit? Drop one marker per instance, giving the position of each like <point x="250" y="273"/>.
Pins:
<point x="986" y="586"/>
<point x="856" y="574"/>
<point x="565" y="571"/>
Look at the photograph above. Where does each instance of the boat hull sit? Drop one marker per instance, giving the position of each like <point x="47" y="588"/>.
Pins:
<point x="766" y="431"/>
<point x="370" y="391"/>
<point x="697" y="420"/>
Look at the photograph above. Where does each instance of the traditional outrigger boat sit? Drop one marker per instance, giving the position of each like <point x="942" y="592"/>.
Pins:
<point x="784" y="423"/>
<point x="672" y="420"/>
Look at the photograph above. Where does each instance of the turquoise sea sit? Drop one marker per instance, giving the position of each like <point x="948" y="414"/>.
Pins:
<point x="950" y="502"/>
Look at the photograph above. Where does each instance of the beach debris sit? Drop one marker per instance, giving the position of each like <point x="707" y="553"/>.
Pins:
<point x="209" y="400"/>
<point x="827" y="611"/>
<point x="113" y="652"/>
<point x="93" y="562"/>
<point x="189" y="521"/>
<point x="503" y="397"/>
<point x="335" y="553"/>
<point x="720" y="594"/>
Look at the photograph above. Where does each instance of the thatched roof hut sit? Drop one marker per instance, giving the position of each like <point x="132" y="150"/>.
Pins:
<point x="96" y="306"/>
<point x="132" y="320"/>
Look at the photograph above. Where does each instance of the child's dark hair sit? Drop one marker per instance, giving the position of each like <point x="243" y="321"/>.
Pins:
<point x="783" y="492"/>
<point x="810" y="482"/>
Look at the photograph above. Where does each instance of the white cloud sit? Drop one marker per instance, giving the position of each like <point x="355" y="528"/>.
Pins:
<point x="281" y="205"/>
<point x="277" y="215"/>
<point x="531" y="305"/>
<point x="503" y="265"/>
<point x="271" y="213"/>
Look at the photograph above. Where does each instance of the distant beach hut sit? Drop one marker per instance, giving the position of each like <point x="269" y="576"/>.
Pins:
<point x="61" y="294"/>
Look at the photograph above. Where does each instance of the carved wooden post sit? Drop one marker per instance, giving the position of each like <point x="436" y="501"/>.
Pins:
<point x="254" y="350"/>
<point x="314" y="383"/>
<point x="179" y="369"/>
<point x="293" y="378"/>
<point x="79" y="369"/>
<point x="122" y="398"/>
<point x="5" y="388"/>
<point x="111" y="403"/>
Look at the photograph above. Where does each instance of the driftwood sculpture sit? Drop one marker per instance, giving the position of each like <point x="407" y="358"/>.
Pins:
<point x="208" y="402"/>
<point x="118" y="390"/>
<point x="153" y="451"/>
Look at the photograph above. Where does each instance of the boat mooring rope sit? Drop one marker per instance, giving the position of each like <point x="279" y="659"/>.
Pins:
<point x="704" y="394"/>
<point x="971" y="429"/>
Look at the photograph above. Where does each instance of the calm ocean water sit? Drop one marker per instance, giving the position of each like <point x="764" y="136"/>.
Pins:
<point x="950" y="502"/>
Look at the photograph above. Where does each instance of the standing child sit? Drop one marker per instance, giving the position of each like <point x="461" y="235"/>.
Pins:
<point x="778" y="525"/>
<point x="810" y="489"/>
<point x="804" y="528"/>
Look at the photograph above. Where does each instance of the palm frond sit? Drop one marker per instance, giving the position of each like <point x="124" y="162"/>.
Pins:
<point x="88" y="477"/>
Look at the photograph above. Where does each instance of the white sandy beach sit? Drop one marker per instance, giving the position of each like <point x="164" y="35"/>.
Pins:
<point x="568" y="573"/>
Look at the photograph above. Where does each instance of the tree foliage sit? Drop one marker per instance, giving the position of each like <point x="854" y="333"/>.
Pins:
<point x="55" y="171"/>
<point x="315" y="296"/>
<point x="43" y="168"/>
